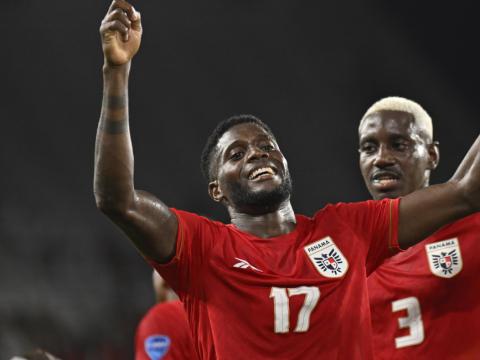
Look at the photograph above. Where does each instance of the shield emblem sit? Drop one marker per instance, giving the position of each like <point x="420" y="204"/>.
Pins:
<point x="327" y="258"/>
<point x="444" y="258"/>
<point x="446" y="262"/>
<point x="156" y="346"/>
<point x="330" y="263"/>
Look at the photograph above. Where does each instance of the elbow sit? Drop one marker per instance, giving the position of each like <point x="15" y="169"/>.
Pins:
<point x="468" y="194"/>
<point x="110" y="206"/>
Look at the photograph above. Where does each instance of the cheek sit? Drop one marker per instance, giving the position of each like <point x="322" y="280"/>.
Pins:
<point x="364" y="165"/>
<point x="415" y="169"/>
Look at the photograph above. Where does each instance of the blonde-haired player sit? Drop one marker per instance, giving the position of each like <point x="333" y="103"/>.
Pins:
<point x="425" y="302"/>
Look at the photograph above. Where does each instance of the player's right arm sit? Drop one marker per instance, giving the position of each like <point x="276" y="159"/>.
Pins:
<point x="146" y="220"/>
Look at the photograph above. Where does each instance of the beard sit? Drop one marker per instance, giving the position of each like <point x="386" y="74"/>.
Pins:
<point x="260" y="201"/>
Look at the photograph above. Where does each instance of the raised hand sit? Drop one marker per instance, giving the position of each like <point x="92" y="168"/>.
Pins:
<point x="121" y="33"/>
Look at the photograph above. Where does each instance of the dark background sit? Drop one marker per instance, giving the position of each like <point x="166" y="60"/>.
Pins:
<point x="69" y="280"/>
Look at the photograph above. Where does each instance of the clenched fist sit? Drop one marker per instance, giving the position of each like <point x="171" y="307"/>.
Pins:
<point x="121" y="33"/>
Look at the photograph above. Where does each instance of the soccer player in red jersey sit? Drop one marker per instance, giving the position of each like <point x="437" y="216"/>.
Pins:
<point x="163" y="333"/>
<point x="425" y="301"/>
<point x="272" y="284"/>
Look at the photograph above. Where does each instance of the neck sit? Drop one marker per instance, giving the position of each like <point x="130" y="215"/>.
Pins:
<point x="279" y="222"/>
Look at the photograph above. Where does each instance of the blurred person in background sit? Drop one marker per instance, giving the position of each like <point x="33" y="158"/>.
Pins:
<point x="163" y="333"/>
<point x="37" y="354"/>
<point x="425" y="301"/>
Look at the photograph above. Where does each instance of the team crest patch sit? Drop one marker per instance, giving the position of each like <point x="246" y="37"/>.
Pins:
<point x="327" y="258"/>
<point x="156" y="346"/>
<point x="444" y="258"/>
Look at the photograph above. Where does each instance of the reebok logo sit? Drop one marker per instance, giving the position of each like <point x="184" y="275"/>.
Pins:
<point x="244" y="264"/>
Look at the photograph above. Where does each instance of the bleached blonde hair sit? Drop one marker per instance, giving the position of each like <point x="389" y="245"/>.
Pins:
<point x="396" y="103"/>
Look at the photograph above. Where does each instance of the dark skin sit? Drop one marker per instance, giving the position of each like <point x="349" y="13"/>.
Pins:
<point x="153" y="227"/>
<point x="241" y="150"/>
<point x="396" y="155"/>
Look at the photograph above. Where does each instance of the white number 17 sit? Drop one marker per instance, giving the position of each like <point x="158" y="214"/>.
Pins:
<point x="281" y="307"/>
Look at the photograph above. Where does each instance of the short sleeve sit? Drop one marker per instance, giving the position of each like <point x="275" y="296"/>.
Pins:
<point x="376" y="224"/>
<point x="195" y="237"/>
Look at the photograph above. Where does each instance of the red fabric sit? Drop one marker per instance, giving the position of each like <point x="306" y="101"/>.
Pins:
<point x="226" y="279"/>
<point x="166" y="319"/>
<point x="449" y="307"/>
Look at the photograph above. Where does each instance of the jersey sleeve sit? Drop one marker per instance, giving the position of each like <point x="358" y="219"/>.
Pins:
<point x="375" y="223"/>
<point x="195" y="238"/>
<point x="147" y="336"/>
<point x="163" y="333"/>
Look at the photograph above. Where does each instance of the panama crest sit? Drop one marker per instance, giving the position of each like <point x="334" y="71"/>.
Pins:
<point x="327" y="258"/>
<point x="444" y="258"/>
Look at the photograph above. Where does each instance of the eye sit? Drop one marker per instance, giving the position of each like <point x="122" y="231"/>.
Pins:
<point x="368" y="148"/>
<point x="400" y="146"/>
<point x="236" y="155"/>
<point x="267" y="147"/>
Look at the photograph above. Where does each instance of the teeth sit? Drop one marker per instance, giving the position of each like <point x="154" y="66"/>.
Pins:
<point x="256" y="172"/>
<point x="385" y="181"/>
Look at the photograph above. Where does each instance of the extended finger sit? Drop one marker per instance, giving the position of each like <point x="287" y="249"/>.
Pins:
<point x="125" y="6"/>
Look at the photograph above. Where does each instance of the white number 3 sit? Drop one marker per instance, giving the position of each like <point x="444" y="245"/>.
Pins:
<point x="281" y="307"/>
<point x="412" y="321"/>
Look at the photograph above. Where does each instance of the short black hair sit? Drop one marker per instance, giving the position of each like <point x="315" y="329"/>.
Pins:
<point x="220" y="129"/>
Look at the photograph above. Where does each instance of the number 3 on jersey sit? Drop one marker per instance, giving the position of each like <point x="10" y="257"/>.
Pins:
<point x="281" y="307"/>
<point x="413" y="321"/>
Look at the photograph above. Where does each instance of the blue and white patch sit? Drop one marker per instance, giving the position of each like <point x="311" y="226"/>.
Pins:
<point x="444" y="258"/>
<point x="157" y="346"/>
<point x="327" y="258"/>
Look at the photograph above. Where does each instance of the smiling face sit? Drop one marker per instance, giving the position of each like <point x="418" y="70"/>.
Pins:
<point x="252" y="174"/>
<point x="395" y="156"/>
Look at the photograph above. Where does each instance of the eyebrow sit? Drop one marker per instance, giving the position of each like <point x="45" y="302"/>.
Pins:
<point x="258" y="138"/>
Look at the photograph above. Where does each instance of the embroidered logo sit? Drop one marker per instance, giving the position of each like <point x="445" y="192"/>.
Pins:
<point x="444" y="258"/>
<point x="156" y="346"/>
<point x="327" y="258"/>
<point x="244" y="264"/>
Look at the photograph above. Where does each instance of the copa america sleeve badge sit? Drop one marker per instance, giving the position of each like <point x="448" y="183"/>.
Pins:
<point x="156" y="346"/>
<point x="327" y="258"/>
<point x="444" y="258"/>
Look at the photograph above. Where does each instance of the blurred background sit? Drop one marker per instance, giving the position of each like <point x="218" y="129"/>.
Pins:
<point x="70" y="282"/>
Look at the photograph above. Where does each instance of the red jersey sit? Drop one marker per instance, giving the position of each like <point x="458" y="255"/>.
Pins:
<point x="163" y="333"/>
<point x="425" y="302"/>
<point x="302" y="295"/>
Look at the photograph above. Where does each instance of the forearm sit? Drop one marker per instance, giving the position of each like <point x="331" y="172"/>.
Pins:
<point x="425" y="211"/>
<point x="113" y="179"/>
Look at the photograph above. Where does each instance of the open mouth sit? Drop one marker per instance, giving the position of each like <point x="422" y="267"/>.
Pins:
<point x="262" y="173"/>
<point x="385" y="179"/>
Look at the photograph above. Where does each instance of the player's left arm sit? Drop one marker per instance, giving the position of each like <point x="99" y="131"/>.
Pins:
<point x="426" y="210"/>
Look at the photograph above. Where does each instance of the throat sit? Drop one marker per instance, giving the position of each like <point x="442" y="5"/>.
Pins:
<point x="272" y="224"/>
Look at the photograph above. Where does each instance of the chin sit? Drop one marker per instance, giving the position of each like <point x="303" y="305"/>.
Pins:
<point x="387" y="195"/>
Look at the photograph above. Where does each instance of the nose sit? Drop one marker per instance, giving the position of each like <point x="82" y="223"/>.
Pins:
<point x="383" y="157"/>
<point x="255" y="153"/>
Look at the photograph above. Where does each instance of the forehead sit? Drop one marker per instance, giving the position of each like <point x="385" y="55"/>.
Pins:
<point x="246" y="132"/>
<point x="398" y="123"/>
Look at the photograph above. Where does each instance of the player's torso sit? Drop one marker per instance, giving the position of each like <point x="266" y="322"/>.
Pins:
<point x="426" y="301"/>
<point x="291" y="297"/>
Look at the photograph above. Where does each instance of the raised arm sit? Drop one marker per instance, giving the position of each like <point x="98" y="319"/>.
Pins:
<point x="426" y="210"/>
<point x="145" y="219"/>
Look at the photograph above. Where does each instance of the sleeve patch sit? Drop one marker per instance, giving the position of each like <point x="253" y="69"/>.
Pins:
<point x="157" y="346"/>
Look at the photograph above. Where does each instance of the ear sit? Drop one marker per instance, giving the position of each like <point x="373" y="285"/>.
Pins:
<point x="214" y="191"/>
<point x="434" y="154"/>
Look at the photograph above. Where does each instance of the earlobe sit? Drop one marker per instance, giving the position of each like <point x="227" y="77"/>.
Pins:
<point x="214" y="191"/>
<point x="434" y="153"/>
